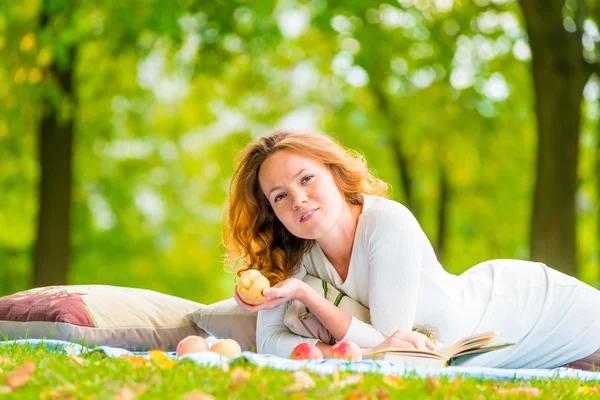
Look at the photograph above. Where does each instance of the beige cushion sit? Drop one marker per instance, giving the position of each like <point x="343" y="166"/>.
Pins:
<point x="133" y="319"/>
<point x="227" y="320"/>
<point x="300" y="321"/>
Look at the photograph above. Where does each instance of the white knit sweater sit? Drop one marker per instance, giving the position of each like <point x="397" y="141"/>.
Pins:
<point x="394" y="272"/>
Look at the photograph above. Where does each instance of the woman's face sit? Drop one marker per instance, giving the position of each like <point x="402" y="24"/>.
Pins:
<point x="302" y="193"/>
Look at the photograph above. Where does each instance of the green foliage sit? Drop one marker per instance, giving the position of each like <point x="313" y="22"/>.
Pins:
<point x="168" y="92"/>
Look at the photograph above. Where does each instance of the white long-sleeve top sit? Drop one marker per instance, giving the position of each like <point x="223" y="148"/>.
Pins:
<point x="394" y="272"/>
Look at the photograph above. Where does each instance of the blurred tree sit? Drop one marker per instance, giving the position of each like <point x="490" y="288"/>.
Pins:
<point x="55" y="141"/>
<point x="168" y="92"/>
<point x="561" y="67"/>
<point x="431" y="81"/>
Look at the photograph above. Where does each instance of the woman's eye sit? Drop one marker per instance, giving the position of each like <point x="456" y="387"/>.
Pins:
<point x="279" y="197"/>
<point x="307" y="178"/>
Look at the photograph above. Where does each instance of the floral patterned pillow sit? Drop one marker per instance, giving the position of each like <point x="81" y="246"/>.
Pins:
<point x="133" y="319"/>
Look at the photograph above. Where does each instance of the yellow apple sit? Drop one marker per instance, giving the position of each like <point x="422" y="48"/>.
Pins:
<point x="226" y="347"/>
<point x="251" y="285"/>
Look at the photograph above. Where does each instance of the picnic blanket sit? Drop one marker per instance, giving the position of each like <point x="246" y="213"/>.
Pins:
<point x="329" y="366"/>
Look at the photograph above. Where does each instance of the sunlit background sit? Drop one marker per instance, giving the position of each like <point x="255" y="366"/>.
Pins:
<point x="438" y="96"/>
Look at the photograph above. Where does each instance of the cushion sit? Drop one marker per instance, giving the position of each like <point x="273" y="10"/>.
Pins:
<point x="133" y="319"/>
<point x="300" y="321"/>
<point x="227" y="320"/>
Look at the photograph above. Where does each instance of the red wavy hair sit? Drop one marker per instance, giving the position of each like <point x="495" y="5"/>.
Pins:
<point x="252" y="234"/>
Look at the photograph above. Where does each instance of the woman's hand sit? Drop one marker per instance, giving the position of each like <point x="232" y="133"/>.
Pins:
<point x="289" y="289"/>
<point x="406" y="340"/>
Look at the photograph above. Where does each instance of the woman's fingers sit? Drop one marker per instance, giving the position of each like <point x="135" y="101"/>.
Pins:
<point x="402" y="344"/>
<point x="268" y="304"/>
<point x="419" y="340"/>
<point x="242" y="303"/>
<point x="416" y="341"/>
<point x="430" y="345"/>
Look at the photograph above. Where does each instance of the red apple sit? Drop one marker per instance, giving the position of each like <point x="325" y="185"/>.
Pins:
<point x="191" y="344"/>
<point x="346" y="351"/>
<point x="306" y="351"/>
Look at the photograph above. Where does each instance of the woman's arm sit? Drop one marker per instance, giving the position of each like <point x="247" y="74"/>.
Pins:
<point x="272" y="335"/>
<point x="368" y="338"/>
<point x="395" y="246"/>
<point x="395" y="243"/>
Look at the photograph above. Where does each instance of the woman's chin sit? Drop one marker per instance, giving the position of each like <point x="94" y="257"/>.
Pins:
<point x="310" y="234"/>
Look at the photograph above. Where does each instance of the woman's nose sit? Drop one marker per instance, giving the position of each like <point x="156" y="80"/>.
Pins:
<point x="299" y="198"/>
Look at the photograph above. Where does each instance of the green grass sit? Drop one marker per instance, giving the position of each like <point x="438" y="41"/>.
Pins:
<point x="57" y="375"/>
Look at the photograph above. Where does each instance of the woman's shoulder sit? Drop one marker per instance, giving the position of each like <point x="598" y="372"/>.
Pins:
<point x="383" y="217"/>
<point x="377" y="208"/>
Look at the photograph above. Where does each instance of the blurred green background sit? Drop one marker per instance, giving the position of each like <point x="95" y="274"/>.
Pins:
<point x="153" y="99"/>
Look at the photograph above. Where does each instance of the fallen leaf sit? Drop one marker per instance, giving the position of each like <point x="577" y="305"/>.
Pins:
<point x="240" y="376"/>
<point x="81" y="361"/>
<point x="198" y="395"/>
<point x="589" y="389"/>
<point x="531" y="391"/>
<point x="481" y="388"/>
<point x="349" y="380"/>
<point x="126" y="394"/>
<point x="302" y="381"/>
<point x="394" y="381"/>
<point x="5" y="361"/>
<point x="20" y="375"/>
<point x="161" y="359"/>
<point x="382" y="394"/>
<point x="5" y="389"/>
<point x="262" y="385"/>
<point x="358" y="394"/>
<point x="456" y="382"/>
<point x="137" y="361"/>
<point x="432" y="383"/>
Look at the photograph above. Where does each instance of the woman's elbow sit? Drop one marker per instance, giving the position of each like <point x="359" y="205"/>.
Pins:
<point x="261" y="346"/>
<point x="265" y="343"/>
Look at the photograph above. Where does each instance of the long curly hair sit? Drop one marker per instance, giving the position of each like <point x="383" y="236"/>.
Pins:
<point x="253" y="236"/>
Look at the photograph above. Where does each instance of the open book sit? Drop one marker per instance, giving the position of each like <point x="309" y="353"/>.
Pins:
<point x="443" y="356"/>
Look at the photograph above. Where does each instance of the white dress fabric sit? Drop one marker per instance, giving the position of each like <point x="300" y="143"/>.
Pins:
<point x="553" y="318"/>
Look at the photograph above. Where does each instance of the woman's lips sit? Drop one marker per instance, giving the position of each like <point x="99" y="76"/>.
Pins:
<point x="308" y="215"/>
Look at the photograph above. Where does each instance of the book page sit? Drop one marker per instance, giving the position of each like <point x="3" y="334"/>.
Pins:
<point x="411" y="352"/>
<point x="471" y="342"/>
<point x="462" y="357"/>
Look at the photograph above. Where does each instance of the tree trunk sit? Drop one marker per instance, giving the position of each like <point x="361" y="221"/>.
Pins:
<point x="400" y="158"/>
<point x="559" y="76"/>
<point x="443" y="200"/>
<point x="55" y="144"/>
<point x="403" y="169"/>
<point x="598" y="195"/>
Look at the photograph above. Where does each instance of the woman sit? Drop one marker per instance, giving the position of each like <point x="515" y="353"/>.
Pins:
<point x="300" y="203"/>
